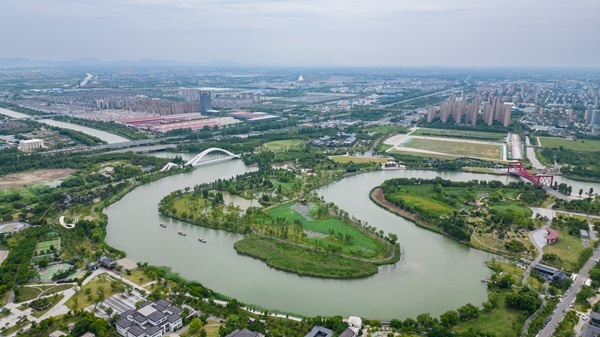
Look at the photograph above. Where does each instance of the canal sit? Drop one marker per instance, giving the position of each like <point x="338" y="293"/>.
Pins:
<point x="103" y="135"/>
<point x="434" y="275"/>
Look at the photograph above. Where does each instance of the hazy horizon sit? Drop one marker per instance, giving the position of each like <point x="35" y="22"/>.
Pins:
<point x="309" y="33"/>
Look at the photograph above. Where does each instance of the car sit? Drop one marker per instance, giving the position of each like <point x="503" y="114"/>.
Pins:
<point x="584" y="317"/>
<point x="564" y="310"/>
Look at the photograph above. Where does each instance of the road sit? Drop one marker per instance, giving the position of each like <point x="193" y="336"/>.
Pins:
<point x="516" y="147"/>
<point x="531" y="156"/>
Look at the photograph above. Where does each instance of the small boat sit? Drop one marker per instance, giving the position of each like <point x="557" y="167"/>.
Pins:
<point x="182" y="233"/>
<point x="202" y="240"/>
<point x="162" y="224"/>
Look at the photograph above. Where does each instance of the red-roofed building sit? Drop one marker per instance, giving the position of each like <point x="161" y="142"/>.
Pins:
<point x="552" y="235"/>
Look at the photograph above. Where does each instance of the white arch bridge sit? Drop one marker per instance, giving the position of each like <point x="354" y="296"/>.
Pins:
<point x="197" y="160"/>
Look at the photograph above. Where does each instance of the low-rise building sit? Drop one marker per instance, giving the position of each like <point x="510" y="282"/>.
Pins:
<point x="319" y="331"/>
<point x="31" y="144"/>
<point x="151" y="319"/>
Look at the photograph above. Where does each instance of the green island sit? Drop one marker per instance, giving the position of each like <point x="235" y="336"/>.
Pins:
<point x="290" y="230"/>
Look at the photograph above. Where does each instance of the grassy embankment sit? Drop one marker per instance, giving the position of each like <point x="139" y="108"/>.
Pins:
<point x="461" y="149"/>
<point x="282" y="145"/>
<point x="302" y="261"/>
<point x="501" y="321"/>
<point x="577" y="145"/>
<point x="358" y="160"/>
<point x="475" y="135"/>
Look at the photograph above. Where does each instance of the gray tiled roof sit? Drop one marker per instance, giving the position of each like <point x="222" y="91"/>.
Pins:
<point x="152" y="330"/>
<point x="163" y="303"/>
<point x="173" y="318"/>
<point x="136" y="330"/>
<point x="243" y="333"/>
<point x="156" y="316"/>
<point x="124" y="323"/>
<point x="175" y="310"/>
<point x="160" y="308"/>
<point x="124" y="314"/>
<point x="139" y="318"/>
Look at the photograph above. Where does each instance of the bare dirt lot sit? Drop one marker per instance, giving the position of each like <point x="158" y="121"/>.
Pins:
<point x="19" y="180"/>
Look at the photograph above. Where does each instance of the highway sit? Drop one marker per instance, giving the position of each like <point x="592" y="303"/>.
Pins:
<point x="423" y="96"/>
<point x="515" y="145"/>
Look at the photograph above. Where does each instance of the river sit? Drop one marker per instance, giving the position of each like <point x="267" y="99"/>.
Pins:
<point x="105" y="136"/>
<point x="434" y="275"/>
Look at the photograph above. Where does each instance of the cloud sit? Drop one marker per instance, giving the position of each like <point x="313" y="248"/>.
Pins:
<point x="376" y="32"/>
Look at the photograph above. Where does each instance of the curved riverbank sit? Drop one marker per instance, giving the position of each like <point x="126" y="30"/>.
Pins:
<point x="303" y="261"/>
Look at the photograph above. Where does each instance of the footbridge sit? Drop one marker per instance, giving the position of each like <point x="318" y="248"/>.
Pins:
<point x="197" y="159"/>
<point x="516" y="168"/>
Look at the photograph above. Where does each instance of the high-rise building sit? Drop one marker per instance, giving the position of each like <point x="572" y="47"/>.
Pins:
<point x="205" y="101"/>
<point x="593" y="117"/>
<point x="431" y="113"/>
<point x="506" y="111"/>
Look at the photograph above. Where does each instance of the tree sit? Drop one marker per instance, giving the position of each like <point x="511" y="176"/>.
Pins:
<point x="591" y="191"/>
<point x="449" y="318"/>
<point x="195" y="324"/>
<point x="580" y="191"/>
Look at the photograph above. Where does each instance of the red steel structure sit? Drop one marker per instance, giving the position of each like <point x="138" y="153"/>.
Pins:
<point x="516" y="168"/>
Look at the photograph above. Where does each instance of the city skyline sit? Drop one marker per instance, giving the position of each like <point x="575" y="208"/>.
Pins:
<point x="308" y="33"/>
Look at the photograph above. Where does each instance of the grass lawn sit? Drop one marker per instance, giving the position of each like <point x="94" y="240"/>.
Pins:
<point x="84" y="300"/>
<point x="211" y="328"/>
<point x="137" y="276"/>
<point x="45" y="246"/>
<point x="301" y="260"/>
<point x="567" y="247"/>
<point x="280" y="145"/>
<point x="456" y="148"/>
<point x="578" y="145"/>
<point x="478" y="135"/>
<point x="421" y="154"/>
<point x="360" y="241"/>
<point x="385" y="129"/>
<point x="27" y="293"/>
<point x="189" y="203"/>
<point x="501" y="321"/>
<point x="357" y="160"/>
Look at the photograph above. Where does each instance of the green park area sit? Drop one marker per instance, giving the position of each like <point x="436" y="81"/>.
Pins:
<point x="467" y="134"/>
<point x="460" y="148"/>
<point x="358" y="160"/>
<point x="566" y="252"/>
<point x="45" y="247"/>
<point x="577" y="145"/>
<point x="328" y="232"/>
<point x="281" y="145"/>
<point x="304" y="229"/>
<point x="493" y="212"/>
<point x="95" y="291"/>
<point x="301" y="261"/>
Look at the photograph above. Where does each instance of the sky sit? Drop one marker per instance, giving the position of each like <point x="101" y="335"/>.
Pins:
<point x="459" y="33"/>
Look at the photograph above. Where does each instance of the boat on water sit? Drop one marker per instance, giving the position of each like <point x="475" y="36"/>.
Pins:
<point x="182" y="233"/>
<point x="162" y="224"/>
<point x="202" y="240"/>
